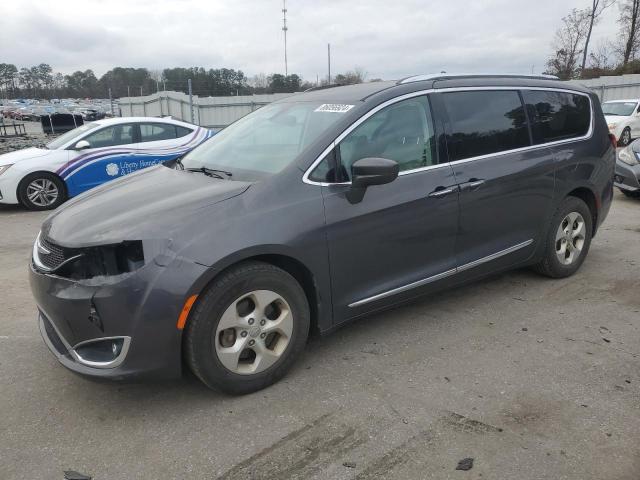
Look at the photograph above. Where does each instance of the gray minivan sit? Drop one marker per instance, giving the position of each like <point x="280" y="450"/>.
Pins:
<point x="316" y="210"/>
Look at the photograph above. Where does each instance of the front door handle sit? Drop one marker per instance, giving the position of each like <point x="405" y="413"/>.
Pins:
<point x="442" y="191"/>
<point x="471" y="184"/>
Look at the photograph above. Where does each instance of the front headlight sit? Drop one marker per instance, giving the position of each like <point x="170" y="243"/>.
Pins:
<point x="628" y="156"/>
<point x="4" y="168"/>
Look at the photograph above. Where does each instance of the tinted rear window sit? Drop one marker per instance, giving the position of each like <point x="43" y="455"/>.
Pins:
<point x="484" y="122"/>
<point x="557" y="115"/>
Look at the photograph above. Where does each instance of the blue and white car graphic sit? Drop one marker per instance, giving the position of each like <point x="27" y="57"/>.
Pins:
<point x="90" y="155"/>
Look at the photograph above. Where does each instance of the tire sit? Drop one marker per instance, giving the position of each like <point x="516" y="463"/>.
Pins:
<point x="630" y="194"/>
<point x="50" y="183"/>
<point x="235" y="298"/>
<point x="551" y="264"/>
<point x="625" y="137"/>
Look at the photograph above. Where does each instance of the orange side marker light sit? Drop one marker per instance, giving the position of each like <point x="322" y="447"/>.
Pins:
<point x="182" y="319"/>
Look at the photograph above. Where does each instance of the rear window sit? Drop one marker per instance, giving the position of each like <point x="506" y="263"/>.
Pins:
<point x="557" y="115"/>
<point x="484" y="122"/>
<point x="153" y="132"/>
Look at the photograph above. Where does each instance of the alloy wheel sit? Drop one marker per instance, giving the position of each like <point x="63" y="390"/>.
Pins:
<point x="42" y="192"/>
<point x="570" y="238"/>
<point x="253" y="332"/>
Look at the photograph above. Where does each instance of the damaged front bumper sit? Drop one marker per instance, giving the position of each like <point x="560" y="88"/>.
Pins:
<point x="119" y="326"/>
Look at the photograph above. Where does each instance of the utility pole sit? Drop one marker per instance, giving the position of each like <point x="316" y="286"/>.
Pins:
<point x="110" y="101"/>
<point x="329" y="62"/>
<point x="284" y="29"/>
<point x="193" y="120"/>
<point x="128" y="91"/>
<point x="140" y="90"/>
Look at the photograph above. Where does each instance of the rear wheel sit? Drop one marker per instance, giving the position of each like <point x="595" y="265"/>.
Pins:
<point x="625" y="137"/>
<point x="568" y="239"/>
<point x="41" y="191"/>
<point x="247" y="328"/>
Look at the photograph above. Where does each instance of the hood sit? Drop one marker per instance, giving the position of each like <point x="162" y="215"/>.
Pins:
<point x="151" y="204"/>
<point x="615" y="118"/>
<point x="24" y="154"/>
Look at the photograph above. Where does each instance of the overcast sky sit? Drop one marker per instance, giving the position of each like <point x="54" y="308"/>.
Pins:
<point x="387" y="38"/>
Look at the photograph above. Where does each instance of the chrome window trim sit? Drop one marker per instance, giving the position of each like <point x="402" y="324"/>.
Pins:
<point x="373" y="111"/>
<point x="442" y="275"/>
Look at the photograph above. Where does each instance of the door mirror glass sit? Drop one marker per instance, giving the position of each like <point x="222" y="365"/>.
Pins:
<point x="82" y="145"/>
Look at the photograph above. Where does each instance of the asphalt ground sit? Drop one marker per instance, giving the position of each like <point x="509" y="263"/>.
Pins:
<point x="532" y="378"/>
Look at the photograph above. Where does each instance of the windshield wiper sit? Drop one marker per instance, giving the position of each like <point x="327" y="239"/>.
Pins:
<point x="211" y="172"/>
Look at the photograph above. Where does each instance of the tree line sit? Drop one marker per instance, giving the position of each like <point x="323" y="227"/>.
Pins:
<point x="573" y="55"/>
<point x="40" y="81"/>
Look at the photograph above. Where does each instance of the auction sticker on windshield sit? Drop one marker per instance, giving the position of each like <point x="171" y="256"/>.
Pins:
<point x="334" y="107"/>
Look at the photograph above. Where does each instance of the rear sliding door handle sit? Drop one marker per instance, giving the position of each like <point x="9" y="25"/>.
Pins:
<point x="441" y="192"/>
<point x="471" y="184"/>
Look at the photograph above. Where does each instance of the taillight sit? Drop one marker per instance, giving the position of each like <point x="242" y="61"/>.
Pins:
<point x="612" y="139"/>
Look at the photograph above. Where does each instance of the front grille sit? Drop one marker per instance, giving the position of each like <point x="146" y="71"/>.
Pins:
<point x="56" y="256"/>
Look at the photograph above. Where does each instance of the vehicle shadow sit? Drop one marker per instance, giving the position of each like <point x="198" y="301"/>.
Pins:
<point x="163" y="396"/>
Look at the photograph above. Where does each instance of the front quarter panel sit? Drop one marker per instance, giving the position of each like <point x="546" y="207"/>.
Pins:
<point x="277" y="217"/>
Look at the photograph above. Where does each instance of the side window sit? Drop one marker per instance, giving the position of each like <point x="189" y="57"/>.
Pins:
<point x="484" y="122"/>
<point x="182" y="131"/>
<point x="402" y="132"/>
<point x="557" y="115"/>
<point x="153" y="132"/>
<point x="111" y="136"/>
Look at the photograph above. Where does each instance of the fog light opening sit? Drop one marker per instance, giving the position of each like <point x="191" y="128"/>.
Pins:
<point x="102" y="353"/>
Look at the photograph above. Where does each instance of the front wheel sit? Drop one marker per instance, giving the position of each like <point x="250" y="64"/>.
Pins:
<point x="41" y="191"/>
<point x="247" y="328"/>
<point x="568" y="239"/>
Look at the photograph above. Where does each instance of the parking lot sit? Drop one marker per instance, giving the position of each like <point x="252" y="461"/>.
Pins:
<point x="532" y="378"/>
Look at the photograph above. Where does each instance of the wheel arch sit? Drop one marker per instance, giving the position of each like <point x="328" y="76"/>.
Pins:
<point x="589" y="197"/>
<point x="285" y="261"/>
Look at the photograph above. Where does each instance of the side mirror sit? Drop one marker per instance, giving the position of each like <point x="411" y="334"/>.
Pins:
<point x="82" y="145"/>
<point x="370" y="171"/>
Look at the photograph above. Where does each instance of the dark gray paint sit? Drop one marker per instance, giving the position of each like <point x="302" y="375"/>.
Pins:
<point x="194" y="226"/>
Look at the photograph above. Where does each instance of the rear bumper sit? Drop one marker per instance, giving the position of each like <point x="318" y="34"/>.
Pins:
<point x="627" y="177"/>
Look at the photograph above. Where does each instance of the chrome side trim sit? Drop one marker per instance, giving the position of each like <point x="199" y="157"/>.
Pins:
<point x="494" y="256"/>
<point x="442" y="275"/>
<point x="354" y="125"/>
<point x="404" y="288"/>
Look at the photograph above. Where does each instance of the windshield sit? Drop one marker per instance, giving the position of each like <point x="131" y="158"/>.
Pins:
<point x="69" y="136"/>
<point x="265" y="141"/>
<point x="623" y="109"/>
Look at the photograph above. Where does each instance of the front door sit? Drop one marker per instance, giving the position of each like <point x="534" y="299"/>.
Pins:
<point x="399" y="239"/>
<point x="111" y="153"/>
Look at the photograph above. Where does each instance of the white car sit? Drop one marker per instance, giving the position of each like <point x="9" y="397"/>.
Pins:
<point x="623" y="119"/>
<point x="90" y="155"/>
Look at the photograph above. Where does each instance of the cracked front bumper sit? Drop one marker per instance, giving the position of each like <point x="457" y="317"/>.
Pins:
<point x="141" y="309"/>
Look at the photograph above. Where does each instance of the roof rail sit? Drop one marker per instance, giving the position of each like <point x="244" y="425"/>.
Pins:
<point x="322" y="87"/>
<point x="450" y="76"/>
